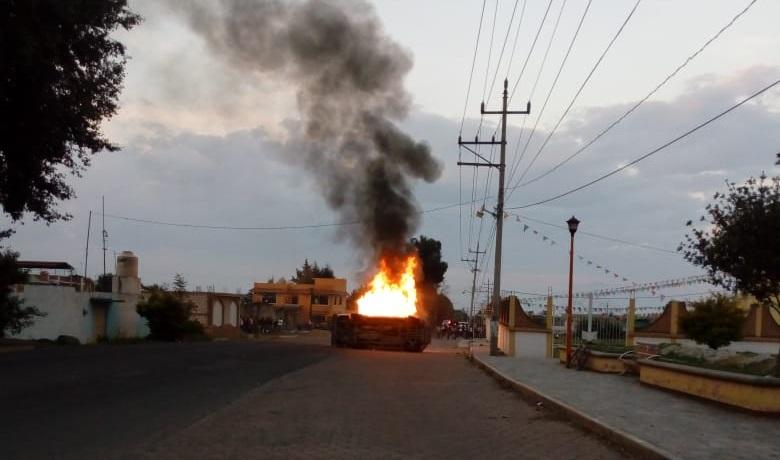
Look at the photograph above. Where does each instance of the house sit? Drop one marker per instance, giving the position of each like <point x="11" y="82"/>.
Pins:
<point x="300" y="304"/>
<point x="218" y="312"/>
<point x="71" y="307"/>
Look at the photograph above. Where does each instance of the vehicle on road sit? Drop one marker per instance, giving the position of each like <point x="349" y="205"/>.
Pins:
<point x="359" y="331"/>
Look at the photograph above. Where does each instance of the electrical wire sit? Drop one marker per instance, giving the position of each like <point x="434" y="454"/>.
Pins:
<point x="581" y="88"/>
<point x="489" y="177"/>
<point x="473" y="62"/>
<point x="518" y="159"/>
<point x="503" y="46"/>
<point x="531" y="50"/>
<point x="652" y="152"/>
<point x="648" y="96"/>
<point x="517" y="35"/>
<point x="462" y="121"/>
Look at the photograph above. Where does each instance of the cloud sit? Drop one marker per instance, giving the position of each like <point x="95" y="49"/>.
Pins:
<point x="193" y="153"/>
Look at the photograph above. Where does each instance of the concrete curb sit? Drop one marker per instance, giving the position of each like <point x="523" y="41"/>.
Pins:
<point x="631" y="443"/>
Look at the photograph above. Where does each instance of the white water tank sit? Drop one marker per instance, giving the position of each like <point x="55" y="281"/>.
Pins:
<point x="127" y="265"/>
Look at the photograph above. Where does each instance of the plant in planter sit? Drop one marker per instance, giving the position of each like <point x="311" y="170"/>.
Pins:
<point x="716" y="321"/>
<point x="740" y="247"/>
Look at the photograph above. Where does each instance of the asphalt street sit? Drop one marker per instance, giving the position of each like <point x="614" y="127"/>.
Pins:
<point x="98" y="401"/>
<point x="293" y="398"/>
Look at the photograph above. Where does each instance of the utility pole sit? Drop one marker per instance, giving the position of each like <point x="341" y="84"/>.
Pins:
<point x="474" y="271"/>
<point x="105" y="235"/>
<point x="499" y="214"/>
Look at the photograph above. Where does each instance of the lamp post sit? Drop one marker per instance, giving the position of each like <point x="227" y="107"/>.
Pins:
<point x="573" y="223"/>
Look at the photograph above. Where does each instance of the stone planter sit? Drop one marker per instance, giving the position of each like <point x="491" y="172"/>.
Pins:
<point x="598" y="361"/>
<point x="759" y="394"/>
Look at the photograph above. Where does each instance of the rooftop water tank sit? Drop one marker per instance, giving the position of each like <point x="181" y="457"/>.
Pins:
<point x="127" y="265"/>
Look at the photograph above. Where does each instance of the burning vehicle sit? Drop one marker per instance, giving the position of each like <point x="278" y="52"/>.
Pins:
<point x="387" y="311"/>
<point x="358" y="331"/>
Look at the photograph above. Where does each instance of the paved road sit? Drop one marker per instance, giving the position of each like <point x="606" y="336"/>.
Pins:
<point x="274" y="399"/>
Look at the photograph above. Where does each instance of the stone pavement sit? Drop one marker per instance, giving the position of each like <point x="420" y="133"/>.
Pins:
<point x="676" y="425"/>
<point x="366" y="404"/>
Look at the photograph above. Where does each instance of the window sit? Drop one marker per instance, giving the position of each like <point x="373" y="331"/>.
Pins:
<point x="267" y="297"/>
<point x="336" y="300"/>
<point x="292" y="299"/>
<point x="319" y="299"/>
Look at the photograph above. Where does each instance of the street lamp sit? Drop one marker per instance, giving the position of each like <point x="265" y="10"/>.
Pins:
<point x="573" y="223"/>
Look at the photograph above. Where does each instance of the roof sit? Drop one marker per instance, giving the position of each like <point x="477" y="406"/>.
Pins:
<point x="44" y="265"/>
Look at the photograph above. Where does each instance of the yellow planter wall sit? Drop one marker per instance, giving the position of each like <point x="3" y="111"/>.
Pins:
<point x="760" y="398"/>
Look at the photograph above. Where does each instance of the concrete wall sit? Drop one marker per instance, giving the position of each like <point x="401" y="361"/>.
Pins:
<point x="69" y="312"/>
<point x="530" y="344"/>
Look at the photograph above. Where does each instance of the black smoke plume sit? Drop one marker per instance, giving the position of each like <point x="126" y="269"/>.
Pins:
<point x="349" y="80"/>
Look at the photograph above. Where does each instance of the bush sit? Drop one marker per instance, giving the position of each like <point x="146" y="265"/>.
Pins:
<point x="168" y="316"/>
<point x="716" y="321"/>
<point x="67" y="340"/>
<point x="14" y="316"/>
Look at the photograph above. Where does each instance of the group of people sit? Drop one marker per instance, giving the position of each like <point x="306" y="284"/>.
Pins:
<point x="252" y="325"/>
<point x="449" y="329"/>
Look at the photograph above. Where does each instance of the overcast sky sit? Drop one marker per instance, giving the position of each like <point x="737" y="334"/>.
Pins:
<point x="206" y="143"/>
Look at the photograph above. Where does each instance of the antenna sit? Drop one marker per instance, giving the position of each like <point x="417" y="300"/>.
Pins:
<point x="105" y="234"/>
<point x="86" y="253"/>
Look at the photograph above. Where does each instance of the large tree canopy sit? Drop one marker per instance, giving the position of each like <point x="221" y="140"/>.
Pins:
<point x="307" y="273"/>
<point x="60" y="77"/>
<point x="740" y="247"/>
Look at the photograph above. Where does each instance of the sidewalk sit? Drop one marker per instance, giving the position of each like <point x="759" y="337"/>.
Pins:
<point x="663" y="423"/>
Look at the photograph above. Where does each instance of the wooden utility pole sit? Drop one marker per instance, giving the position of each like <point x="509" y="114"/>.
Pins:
<point x="474" y="271"/>
<point x="499" y="214"/>
<point x="105" y="235"/>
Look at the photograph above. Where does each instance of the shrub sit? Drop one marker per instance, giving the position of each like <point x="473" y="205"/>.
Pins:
<point x="168" y="316"/>
<point x="67" y="340"/>
<point x="14" y="316"/>
<point x="716" y="321"/>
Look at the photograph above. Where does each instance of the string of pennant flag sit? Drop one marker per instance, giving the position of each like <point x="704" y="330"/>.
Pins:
<point x="651" y="287"/>
<point x="548" y="240"/>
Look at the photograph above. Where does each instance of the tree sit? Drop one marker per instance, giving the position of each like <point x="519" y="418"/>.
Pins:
<point x="179" y="284"/>
<point x="716" y="321"/>
<point x="60" y="78"/>
<point x="740" y="248"/>
<point x="307" y="273"/>
<point x="429" y="251"/>
<point x="168" y="316"/>
<point x="14" y="316"/>
<point x="461" y="316"/>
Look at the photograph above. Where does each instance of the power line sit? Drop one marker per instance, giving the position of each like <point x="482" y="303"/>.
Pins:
<point x="503" y="46"/>
<point x="462" y="121"/>
<point x="489" y="177"/>
<point x="473" y="62"/>
<point x="517" y="35"/>
<point x="454" y="205"/>
<point x="641" y="101"/>
<point x="518" y="159"/>
<point x="582" y="87"/>
<point x="652" y="152"/>
<point x="531" y="50"/>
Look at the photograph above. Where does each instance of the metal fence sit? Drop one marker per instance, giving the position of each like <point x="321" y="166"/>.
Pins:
<point x="605" y="329"/>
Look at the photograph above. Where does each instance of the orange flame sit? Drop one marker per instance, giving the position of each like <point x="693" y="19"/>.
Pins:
<point x="391" y="296"/>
